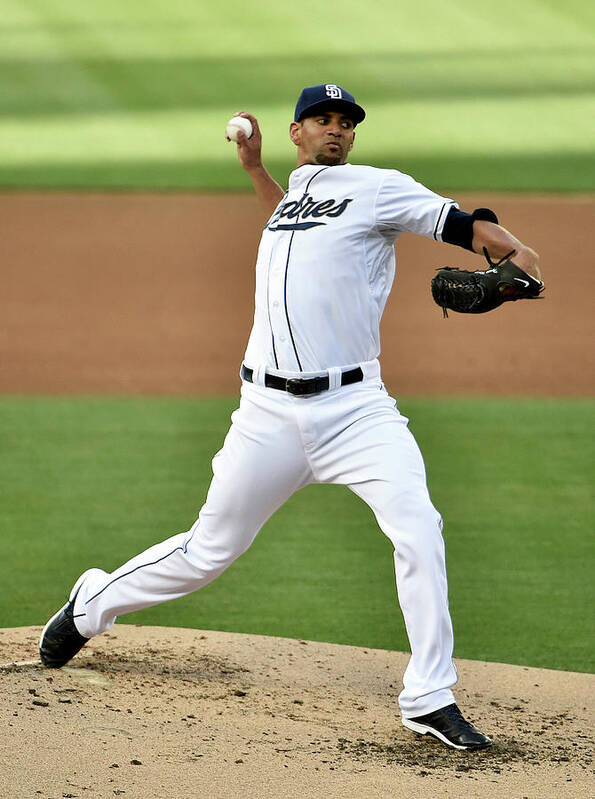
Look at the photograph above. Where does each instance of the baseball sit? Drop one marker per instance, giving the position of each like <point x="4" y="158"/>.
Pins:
<point x="236" y="124"/>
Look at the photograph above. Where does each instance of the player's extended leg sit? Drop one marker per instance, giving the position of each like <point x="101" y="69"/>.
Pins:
<point x="260" y="465"/>
<point x="374" y="453"/>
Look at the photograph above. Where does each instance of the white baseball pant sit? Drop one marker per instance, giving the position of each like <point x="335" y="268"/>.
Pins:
<point x="278" y="443"/>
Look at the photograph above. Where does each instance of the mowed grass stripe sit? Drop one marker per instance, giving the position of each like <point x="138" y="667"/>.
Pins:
<point x="94" y="481"/>
<point x="394" y="132"/>
<point x="137" y="29"/>
<point x="40" y="87"/>
<point x="521" y="173"/>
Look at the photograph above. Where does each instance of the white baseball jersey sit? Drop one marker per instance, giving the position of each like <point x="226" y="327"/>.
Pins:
<point x="320" y="293"/>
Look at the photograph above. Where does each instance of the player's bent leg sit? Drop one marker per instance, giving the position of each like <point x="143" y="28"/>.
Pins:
<point x="380" y="461"/>
<point x="260" y="465"/>
<point x="406" y="515"/>
<point x="414" y="528"/>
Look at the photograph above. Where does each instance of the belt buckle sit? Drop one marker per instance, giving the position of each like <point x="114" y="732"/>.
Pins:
<point x="298" y="386"/>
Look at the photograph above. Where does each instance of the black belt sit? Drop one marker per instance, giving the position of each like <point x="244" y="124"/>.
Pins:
<point x="303" y="385"/>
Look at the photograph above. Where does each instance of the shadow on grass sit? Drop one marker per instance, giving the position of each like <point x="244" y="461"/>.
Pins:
<point x="552" y="172"/>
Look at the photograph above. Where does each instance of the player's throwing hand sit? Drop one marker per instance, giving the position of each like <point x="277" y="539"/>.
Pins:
<point x="249" y="148"/>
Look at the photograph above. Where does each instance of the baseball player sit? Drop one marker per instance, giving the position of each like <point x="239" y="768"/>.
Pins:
<point x="313" y="406"/>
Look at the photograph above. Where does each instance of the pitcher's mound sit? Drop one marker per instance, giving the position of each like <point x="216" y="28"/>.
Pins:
<point x="147" y="712"/>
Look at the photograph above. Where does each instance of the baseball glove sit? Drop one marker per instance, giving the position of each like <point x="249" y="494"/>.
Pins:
<point x="480" y="291"/>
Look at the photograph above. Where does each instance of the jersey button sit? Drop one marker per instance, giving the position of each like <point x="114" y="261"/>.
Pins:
<point x="282" y="338"/>
<point x="275" y="304"/>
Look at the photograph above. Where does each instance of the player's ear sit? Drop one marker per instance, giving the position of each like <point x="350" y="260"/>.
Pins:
<point x="295" y="133"/>
<point x="352" y="141"/>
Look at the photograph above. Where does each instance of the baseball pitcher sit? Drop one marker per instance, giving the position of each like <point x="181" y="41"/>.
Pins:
<point x="313" y="406"/>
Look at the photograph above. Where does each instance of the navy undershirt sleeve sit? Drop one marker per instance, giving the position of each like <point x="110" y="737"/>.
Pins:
<point x="458" y="226"/>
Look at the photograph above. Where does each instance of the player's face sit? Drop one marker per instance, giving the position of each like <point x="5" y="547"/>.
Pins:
<point x="323" y="139"/>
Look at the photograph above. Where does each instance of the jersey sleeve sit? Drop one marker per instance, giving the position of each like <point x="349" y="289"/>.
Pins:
<point x="405" y="206"/>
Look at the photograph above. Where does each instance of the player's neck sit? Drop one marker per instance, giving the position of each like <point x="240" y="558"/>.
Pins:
<point x="314" y="162"/>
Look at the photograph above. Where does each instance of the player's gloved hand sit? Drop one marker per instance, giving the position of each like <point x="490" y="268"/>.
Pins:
<point x="483" y="290"/>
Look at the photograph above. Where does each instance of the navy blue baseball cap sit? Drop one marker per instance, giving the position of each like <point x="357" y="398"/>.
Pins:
<point x="315" y="99"/>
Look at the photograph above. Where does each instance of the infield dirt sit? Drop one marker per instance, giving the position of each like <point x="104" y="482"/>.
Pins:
<point x="154" y="294"/>
<point x="156" y="713"/>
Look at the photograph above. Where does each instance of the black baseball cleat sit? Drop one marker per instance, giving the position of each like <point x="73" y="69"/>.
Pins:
<point x="60" y="640"/>
<point x="449" y="726"/>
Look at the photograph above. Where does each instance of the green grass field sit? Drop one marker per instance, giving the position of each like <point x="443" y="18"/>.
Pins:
<point x="462" y="95"/>
<point x="94" y="481"/>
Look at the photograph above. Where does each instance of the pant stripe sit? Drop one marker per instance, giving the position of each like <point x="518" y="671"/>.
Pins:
<point x="143" y="566"/>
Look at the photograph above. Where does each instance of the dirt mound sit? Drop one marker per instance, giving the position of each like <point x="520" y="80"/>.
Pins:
<point x="153" y="712"/>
